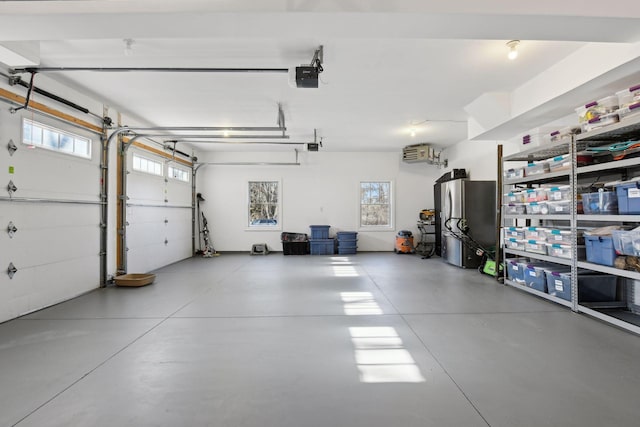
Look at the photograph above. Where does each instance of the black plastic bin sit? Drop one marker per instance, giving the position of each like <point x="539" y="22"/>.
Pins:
<point x="295" y="248"/>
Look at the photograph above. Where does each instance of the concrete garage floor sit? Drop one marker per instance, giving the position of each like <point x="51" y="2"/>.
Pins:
<point x="368" y="340"/>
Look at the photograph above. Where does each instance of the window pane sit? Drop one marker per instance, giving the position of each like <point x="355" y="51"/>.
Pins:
<point x="50" y="138"/>
<point x="81" y="147"/>
<point x="36" y="135"/>
<point x="263" y="203"/>
<point x="26" y="131"/>
<point x="144" y="165"/>
<point x="375" y="204"/>
<point x="66" y="143"/>
<point x="157" y="167"/>
<point x="136" y="162"/>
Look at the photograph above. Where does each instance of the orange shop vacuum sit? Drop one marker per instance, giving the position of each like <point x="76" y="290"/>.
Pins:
<point x="404" y="242"/>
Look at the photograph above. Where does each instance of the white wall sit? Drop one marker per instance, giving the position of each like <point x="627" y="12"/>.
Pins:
<point x="478" y="158"/>
<point x="324" y="190"/>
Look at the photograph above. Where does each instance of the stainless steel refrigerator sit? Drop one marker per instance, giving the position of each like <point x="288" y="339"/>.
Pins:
<point x="468" y="220"/>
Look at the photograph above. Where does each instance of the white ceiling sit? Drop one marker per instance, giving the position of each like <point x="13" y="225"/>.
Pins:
<point x="389" y="65"/>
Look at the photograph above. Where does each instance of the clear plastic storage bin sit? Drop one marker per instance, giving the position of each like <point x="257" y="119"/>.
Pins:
<point x="513" y="197"/>
<point x="600" y="203"/>
<point x="514" y="173"/>
<point x="630" y="96"/>
<point x="629" y="111"/>
<point x="560" y="193"/>
<point x="596" y="109"/>
<point x="514" y="244"/>
<point x="559" y="250"/>
<point x="535" y="246"/>
<point x="558" y="235"/>
<point x="535" y="233"/>
<point x="535" y="195"/>
<point x="562" y="207"/>
<point x="538" y="168"/>
<point x="626" y="242"/>
<point x="514" y="232"/>
<point x="600" y="121"/>
<point x="537" y="208"/>
<point x="560" y="163"/>
<point x="563" y="135"/>
<point x="515" y="209"/>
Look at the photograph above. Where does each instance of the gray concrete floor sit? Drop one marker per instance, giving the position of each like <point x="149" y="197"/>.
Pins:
<point x="366" y="340"/>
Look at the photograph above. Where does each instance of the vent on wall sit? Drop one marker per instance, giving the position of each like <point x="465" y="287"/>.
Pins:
<point x="422" y="153"/>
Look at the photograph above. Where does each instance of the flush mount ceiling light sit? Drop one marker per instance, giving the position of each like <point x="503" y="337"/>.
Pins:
<point x="513" y="49"/>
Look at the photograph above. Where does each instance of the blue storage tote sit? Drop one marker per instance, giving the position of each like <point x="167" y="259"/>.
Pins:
<point x="515" y="269"/>
<point x="322" y="246"/>
<point x="346" y="251"/>
<point x="534" y="276"/>
<point x="347" y="235"/>
<point x="319" y="231"/>
<point x="347" y="244"/>
<point x="591" y="287"/>
<point x="559" y="284"/>
<point x="600" y="250"/>
<point x="628" y="197"/>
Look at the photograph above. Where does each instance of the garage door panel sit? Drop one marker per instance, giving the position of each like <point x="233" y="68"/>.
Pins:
<point x="179" y="193"/>
<point x="60" y="179"/>
<point x="47" y="215"/>
<point x="56" y="247"/>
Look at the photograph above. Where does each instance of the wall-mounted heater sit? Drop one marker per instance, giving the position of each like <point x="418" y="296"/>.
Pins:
<point x="422" y="153"/>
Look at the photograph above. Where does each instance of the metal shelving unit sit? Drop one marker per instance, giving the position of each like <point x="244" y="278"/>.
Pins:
<point x="537" y="293"/>
<point x="613" y="312"/>
<point x="555" y="260"/>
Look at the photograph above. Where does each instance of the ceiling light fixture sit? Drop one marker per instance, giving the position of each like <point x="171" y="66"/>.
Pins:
<point x="412" y="132"/>
<point x="128" y="50"/>
<point x="513" y="49"/>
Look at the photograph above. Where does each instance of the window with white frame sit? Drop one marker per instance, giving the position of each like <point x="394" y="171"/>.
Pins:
<point x="178" y="173"/>
<point x="264" y="204"/>
<point x="143" y="164"/>
<point x="376" y="204"/>
<point x="50" y="138"/>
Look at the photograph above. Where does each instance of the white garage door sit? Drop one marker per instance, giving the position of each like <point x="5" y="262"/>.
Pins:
<point x="55" y="209"/>
<point x="158" y="211"/>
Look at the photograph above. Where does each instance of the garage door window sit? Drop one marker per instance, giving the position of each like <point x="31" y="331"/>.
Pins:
<point x="143" y="164"/>
<point x="40" y="135"/>
<point x="178" y="173"/>
<point x="264" y="204"/>
<point x="376" y="205"/>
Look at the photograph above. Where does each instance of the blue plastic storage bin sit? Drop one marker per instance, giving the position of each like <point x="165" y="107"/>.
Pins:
<point x="347" y="235"/>
<point x="347" y="244"/>
<point x="319" y="231"/>
<point x="534" y="276"/>
<point x="628" y="198"/>
<point x="515" y="269"/>
<point x="559" y="284"/>
<point x="346" y="251"/>
<point x="600" y="250"/>
<point x="591" y="287"/>
<point x="322" y="246"/>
